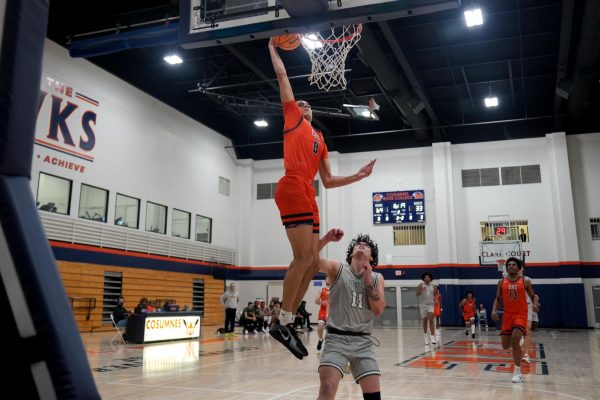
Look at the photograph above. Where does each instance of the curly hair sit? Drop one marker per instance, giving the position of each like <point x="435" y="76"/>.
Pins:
<point x="364" y="239"/>
<point x="424" y="274"/>
<point x="519" y="262"/>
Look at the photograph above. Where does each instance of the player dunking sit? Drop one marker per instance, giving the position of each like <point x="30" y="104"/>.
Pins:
<point x="512" y="292"/>
<point x="323" y="300"/>
<point x="468" y="307"/>
<point x="304" y="153"/>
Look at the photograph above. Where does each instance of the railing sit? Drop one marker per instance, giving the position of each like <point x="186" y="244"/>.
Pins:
<point x="83" y="303"/>
<point x="74" y="230"/>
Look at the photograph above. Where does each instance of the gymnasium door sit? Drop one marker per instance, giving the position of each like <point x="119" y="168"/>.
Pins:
<point x="390" y="313"/>
<point x="410" y="309"/>
<point x="596" y="292"/>
<point x="274" y="289"/>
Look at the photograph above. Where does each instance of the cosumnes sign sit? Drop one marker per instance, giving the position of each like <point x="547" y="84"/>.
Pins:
<point x="171" y="328"/>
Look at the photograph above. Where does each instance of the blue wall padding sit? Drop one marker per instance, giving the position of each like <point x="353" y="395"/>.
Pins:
<point x="55" y="341"/>
<point x="58" y="341"/>
<point x="20" y="74"/>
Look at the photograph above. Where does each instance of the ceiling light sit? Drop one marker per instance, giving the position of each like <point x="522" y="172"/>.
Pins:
<point x="361" y="111"/>
<point x="261" y="123"/>
<point x="474" y="17"/>
<point x="312" y="41"/>
<point x="173" y="59"/>
<point x="491" y="102"/>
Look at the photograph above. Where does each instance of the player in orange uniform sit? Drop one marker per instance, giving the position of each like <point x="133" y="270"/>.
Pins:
<point x="468" y="307"/>
<point x="437" y="311"/>
<point x="304" y="153"/>
<point x="512" y="291"/>
<point x="323" y="300"/>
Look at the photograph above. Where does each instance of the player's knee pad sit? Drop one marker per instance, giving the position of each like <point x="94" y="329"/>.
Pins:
<point x="372" y="396"/>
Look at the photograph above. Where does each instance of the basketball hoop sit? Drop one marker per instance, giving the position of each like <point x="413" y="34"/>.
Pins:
<point x="501" y="263"/>
<point x="328" y="55"/>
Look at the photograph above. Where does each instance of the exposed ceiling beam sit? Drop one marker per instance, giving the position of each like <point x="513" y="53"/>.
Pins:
<point x="566" y="29"/>
<point x="268" y="81"/>
<point x="464" y="74"/>
<point x="412" y="78"/>
<point x="392" y="82"/>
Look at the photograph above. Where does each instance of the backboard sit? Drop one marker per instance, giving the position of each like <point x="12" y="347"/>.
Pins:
<point x="205" y="23"/>
<point x="490" y="252"/>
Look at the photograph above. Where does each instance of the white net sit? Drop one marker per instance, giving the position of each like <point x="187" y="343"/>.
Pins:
<point x="328" y="54"/>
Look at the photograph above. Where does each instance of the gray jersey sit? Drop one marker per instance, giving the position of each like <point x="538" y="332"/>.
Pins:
<point x="426" y="296"/>
<point x="348" y="306"/>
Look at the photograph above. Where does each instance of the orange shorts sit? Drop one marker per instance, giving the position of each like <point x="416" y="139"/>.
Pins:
<point x="295" y="198"/>
<point x="467" y="316"/>
<point x="322" y="316"/>
<point x="511" y="321"/>
<point x="437" y="310"/>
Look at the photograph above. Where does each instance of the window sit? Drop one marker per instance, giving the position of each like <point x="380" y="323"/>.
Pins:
<point x="511" y="175"/>
<point x="203" y="229"/>
<point x="521" y="175"/>
<point x="595" y="226"/>
<point x="505" y="230"/>
<point x="181" y="224"/>
<point x="54" y="194"/>
<point x="265" y="191"/>
<point x="93" y="203"/>
<point x="480" y="177"/>
<point x="156" y="218"/>
<point x="409" y="235"/>
<point x="127" y="211"/>
<point x="224" y="186"/>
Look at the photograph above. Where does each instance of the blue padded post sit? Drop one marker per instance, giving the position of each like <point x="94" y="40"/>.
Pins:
<point x="41" y="339"/>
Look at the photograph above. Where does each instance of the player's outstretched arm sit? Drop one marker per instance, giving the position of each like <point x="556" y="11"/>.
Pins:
<point x="285" y="88"/>
<point x="330" y="181"/>
<point x="497" y="301"/>
<point x="330" y="267"/>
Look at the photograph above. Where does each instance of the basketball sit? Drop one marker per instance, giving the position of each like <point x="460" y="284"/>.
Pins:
<point x="287" y="42"/>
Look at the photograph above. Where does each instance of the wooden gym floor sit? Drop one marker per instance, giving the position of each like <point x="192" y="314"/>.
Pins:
<point x="565" y="365"/>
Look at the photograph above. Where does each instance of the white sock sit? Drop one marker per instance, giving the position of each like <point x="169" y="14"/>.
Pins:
<point x="517" y="370"/>
<point x="472" y="328"/>
<point x="285" y="317"/>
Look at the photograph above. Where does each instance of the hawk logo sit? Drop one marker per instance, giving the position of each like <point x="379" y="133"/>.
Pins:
<point x="489" y="355"/>
<point x="190" y="326"/>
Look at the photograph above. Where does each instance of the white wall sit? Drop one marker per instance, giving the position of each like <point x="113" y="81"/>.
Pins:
<point x="350" y="207"/>
<point x="584" y="162"/>
<point x="144" y="149"/>
<point x="531" y="202"/>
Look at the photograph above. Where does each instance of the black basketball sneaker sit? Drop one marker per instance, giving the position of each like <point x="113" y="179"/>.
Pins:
<point x="287" y="336"/>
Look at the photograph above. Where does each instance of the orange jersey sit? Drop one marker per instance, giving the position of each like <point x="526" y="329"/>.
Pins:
<point x="324" y="300"/>
<point x="514" y="296"/>
<point x="324" y="297"/>
<point x="437" y="305"/>
<point x="303" y="146"/>
<point x="469" y="306"/>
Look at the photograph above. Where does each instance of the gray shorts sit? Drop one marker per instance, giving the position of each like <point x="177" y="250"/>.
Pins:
<point x="425" y="309"/>
<point x="358" y="350"/>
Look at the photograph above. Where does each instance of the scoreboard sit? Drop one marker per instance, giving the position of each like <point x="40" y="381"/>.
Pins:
<point x="406" y="207"/>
